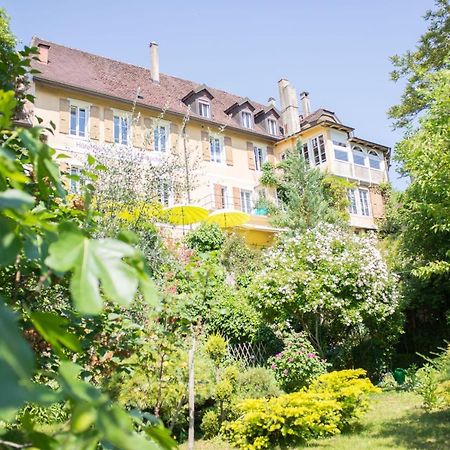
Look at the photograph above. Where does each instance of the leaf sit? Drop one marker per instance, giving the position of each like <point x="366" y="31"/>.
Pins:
<point x="162" y="436"/>
<point x="53" y="329"/>
<point x="10" y="243"/>
<point x="94" y="262"/>
<point x="16" y="200"/>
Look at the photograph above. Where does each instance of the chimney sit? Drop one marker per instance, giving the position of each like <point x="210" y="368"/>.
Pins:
<point x="271" y="102"/>
<point x="306" y="104"/>
<point x="43" y="53"/>
<point x="154" y="61"/>
<point x="289" y="107"/>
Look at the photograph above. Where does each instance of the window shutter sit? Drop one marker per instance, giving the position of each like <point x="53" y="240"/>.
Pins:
<point x="218" y="196"/>
<point x="206" y="146"/>
<point x="109" y="131"/>
<point x="270" y="155"/>
<point x="228" y="151"/>
<point x="147" y="133"/>
<point x="64" y="115"/>
<point x="237" y="198"/>
<point x="250" y="156"/>
<point x="94" y="122"/>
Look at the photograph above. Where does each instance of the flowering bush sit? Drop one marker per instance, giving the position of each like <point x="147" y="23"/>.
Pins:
<point x="298" y="364"/>
<point x="333" y="284"/>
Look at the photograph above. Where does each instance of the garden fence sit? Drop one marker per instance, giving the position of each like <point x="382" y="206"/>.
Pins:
<point x="248" y="353"/>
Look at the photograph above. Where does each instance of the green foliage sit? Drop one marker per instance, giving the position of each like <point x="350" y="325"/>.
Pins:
<point x="431" y="55"/>
<point x="298" y="364"/>
<point x="333" y="403"/>
<point x="210" y="424"/>
<point x="257" y="382"/>
<point x="427" y="385"/>
<point x="216" y="348"/>
<point x="306" y="196"/>
<point x="207" y="237"/>
<point x="335" y="286"/>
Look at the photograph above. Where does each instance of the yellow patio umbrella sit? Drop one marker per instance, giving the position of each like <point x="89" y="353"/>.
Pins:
<point x="228" y="218"/>
<point x="185" y="214"/>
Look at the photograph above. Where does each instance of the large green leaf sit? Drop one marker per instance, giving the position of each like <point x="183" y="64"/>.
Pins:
<point x="10" y="243"/>
<point x="15" y="199"/>
<point x="53" y="329"/>
<point x="93" y="262"/>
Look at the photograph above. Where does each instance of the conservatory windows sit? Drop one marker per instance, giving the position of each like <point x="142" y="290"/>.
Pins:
<point x="358" y="156"/>
<point x="318" y="148"/>
<point x="374" y="160"/>
<point x="340" y="151"/>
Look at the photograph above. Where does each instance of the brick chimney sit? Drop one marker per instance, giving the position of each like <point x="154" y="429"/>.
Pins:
<point x="154" y="61"/>
<point x="306" y="104"/>
<point x="289" y="107"/>
<point x="43" y="53"/>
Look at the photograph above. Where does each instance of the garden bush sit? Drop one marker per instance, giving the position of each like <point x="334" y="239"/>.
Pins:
<point x="332" y="403"/>
<point x="257" y="382"/>
<point x="207" y="237"/>
<point x="298" y="364"/>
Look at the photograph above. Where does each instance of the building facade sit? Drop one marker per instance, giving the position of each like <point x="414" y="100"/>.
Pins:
<point x="223" y="139"/>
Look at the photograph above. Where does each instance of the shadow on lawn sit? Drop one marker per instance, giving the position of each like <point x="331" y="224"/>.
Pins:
<point x="419" y="430"/>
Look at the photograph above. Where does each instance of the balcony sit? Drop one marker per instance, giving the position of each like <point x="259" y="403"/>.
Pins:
<point x="363" y="173"/>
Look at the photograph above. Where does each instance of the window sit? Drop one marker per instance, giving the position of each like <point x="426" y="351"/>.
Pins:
<point x="305" y="152"/>
<point x="121" y="129"/>
<point x="160" y="137"/>
<point x="358" y="156"/>
<point x="339" y="144"/>
<point x="224" y="201"/>
<point x="75" y="180"/>
<point x="340" y="155"/>
<point x="216" y="149"/>
<point x="260" y="157"/>
<point x="246" y="119"/>
<point x="164" y="193"/>
<point x="78" y="120"/>
<point x="358" y="201"/>
<point x="318" y="147"/>
<point x="246" y="201"/>
<point x="374" y="160"/>
<point x="204" y="109"/>
<point x="352" y="207"/>
<point x="272" y="126"/>
<point x="364" y="202"/>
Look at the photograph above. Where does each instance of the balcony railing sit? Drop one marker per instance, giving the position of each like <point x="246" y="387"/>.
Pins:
<point x="214" y="202"/>
<point x="364" y="173"/>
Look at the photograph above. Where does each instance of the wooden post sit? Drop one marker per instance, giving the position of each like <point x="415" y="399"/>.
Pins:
<point x="191" y="391"/>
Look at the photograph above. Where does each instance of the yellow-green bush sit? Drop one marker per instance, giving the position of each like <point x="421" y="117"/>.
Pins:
<point x="332" y="403"/>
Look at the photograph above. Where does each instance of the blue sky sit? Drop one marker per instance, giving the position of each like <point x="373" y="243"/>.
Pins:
<point x="338" y="50"/>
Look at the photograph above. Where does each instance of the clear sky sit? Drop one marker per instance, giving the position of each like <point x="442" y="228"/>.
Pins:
<point x="338" y="50"/>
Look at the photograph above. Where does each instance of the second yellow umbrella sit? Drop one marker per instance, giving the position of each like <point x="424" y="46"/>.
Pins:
<point x="228" y="218"/>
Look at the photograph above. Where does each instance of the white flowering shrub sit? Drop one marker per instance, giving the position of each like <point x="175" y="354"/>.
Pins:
<point x="334" y="285"/>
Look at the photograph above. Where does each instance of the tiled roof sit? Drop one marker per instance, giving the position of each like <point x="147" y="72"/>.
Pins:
<point x="108" y="77"/>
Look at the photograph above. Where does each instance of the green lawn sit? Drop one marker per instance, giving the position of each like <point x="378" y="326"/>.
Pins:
<point x="395" y="421"/>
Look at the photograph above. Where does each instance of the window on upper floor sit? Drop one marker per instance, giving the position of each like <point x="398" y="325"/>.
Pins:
<point x="216" y="149"/>
<point x="224" y="199"/>
<point x="272" y="127"/>
<point x="260" y="157"/>
<point x="246" y="119"/>
<point x="305" y="152"/>
<point x="318" y="148"/>
<point x="374" y="160"/>
<point x="161" y="137"/>
<point x="78" y="120"/>
<point x="359" y="157"/>
<point x="121" y="128"/>
<point x="358" y="201"/>
<point x="204" y="109"/>
<point x="246" y="201"/>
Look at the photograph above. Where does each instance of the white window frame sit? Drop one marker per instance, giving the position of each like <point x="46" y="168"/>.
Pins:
<point x="374" y="156"/>
<point x="319" y="151"/>
<point x="358" y="151"/>
<point x="246" y="201"/>
<point x="244" y="122"/>
<point x="157" y="147"/>
<point x="272" y="126"/>
<point x="342" y="151"/>
<point x="217" y="157"/>
<point x="207" y="105"/>
<point x="359" y="207"/>
<point x="165" y="193"/>
<point x="79" y="104"/>
<point x="74" y="185"/>
<point x="305" y="153"/>
<point x="122" y="115"/>
<point x="259" y="162"/>
<point x="224" y="196"/>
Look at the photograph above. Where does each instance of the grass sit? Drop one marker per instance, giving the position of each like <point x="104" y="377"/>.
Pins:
<point x="395" y="421"/>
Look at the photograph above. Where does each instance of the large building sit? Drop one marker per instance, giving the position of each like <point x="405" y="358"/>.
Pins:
<point x="94" y="100"/>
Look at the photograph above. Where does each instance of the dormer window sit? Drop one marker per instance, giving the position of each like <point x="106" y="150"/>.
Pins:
<point x="272" y="126"/>
<point x="246" y="119"/>
<point x="204" y="109"/>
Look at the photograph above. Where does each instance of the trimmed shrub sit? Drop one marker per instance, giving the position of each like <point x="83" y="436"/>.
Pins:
<point x="257" y="382"/>
<point x="210" y="424"/>
<point x="207" y="237"/>
<point x="332" y="403"/>
<point x="298" y="364"/>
